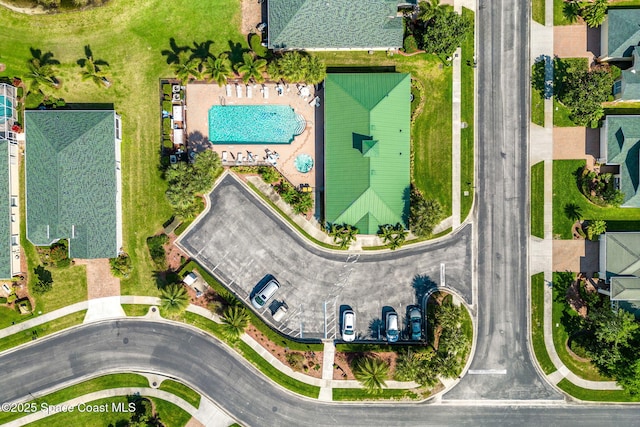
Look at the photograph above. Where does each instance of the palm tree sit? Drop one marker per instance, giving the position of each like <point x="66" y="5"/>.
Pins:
<point x="218" y="69"/>
<point x="372" y="373"/>
<point x="40" y="76"/>
<point x="429" y="10"/>
<point x="393" y="235"/>
<point x="343" y="234"/>
<point x="236" y="320"/>
<point x="573" y="211"/>
<point x="189" y="70"/>
<point x="292" y="67"/>
<point x="594" y="13"/>
<point x="571" y="10"/>
<point x="251" y="68"/>
<point x="316" y="70"/>
<point x="174" y="299"/>
<point x="92" y="68"/>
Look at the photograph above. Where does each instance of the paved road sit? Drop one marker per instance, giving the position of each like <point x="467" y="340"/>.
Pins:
<point x="502" y="362"/>
<point x="208" y="366"/>
<point x="243" y="248"/>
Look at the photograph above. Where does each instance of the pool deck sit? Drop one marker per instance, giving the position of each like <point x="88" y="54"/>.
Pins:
<point x="201" y="96"/>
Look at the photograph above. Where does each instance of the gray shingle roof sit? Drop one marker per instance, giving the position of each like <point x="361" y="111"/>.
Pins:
<point x="334" y="24"/>
<point x="71" y="180"/>
<point x="623" y="32"/>
<point x="623" y="148"/>
<point x="631" y="79"/>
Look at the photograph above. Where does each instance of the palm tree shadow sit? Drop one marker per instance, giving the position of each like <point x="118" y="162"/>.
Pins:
<point x="422" y="285"/>
<point x="39" y="58"/>
<point x="88" y="57"/>
<point x="201" y="51"/>
<point x="235" y="52"/>
<point x="174" y="51"/>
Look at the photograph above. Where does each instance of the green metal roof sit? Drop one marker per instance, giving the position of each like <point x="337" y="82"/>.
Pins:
<point x="623" y="148"/>
<point x="334" y="24"/>
<point x="623" y="32"/>
<point x="71" y="180"/>
<point x="367" y="149"/>
<point x="5" y="211"/>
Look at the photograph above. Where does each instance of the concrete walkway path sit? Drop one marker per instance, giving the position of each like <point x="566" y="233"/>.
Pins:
<point x="541" y="250"/>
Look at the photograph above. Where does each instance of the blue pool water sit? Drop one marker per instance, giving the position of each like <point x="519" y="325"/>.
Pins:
<point x="304" y="163"/>
<point x="5" y="108"/>
<point x="254" y="124"/>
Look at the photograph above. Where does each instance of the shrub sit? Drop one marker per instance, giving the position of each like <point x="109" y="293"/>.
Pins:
<point x="121" y="266"/>
<point x="44" y="281"/>
<point x="255" y="42"/>
<point x="269" y="174"/>
<point x="3" y="300"/>
<point x="295" y="359"/>
<point x="410" y="44"/>
<point x="59" y="254"/>
<point x="599" y="188"/>
<point x="156" y="249"/>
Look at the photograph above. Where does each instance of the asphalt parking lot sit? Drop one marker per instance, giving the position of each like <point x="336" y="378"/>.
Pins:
<point x="241" y="241"/>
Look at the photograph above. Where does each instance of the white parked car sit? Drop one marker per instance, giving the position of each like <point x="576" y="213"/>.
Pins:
<point x="348" y="325"/>
<point x="263" y="295"/>
<point x="392" y="327"/>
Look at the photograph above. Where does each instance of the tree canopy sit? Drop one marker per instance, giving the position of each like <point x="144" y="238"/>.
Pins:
<point x="424" y="214"/>
<point x="583" y="91"/>
<point x="442" y="29"/>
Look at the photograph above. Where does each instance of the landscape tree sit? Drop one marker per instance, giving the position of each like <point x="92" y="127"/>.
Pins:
<point x="372" y="373"/>
<point x="295" y="67"/>
<point x="429" y="10"/>
<point x="174" y="299"/>
<point x="445" y="32"/>
<point x="252" y="69"/>
<point x="343" y="234"/>
<point x="218" y="69"/>
<point x="583" y="92"/>
<point x="44" y="280"/>
<point x="571" y="10"/>
<point x="424" y="214"/>
<point x="316" y="70"/>
<point x="596" y="228"/>
<point x="41" y="70"/>
<point x="189" y="69"/>
<point x="594" y="12"/>
<point x="573" y="211"/>
<point x="121" y="265"/>
<point x="393" y="235"/>
<point x="235" y="320"/>
<point x="93" y="69"/>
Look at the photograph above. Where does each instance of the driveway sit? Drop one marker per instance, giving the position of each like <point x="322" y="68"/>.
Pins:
<point x="576" y="143"/>
<point x="241" y="241"/>
<point x="580" y="256"/>
<point x="576" y="41"/>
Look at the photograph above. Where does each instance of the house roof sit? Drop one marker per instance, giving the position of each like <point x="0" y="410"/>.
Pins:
<point x="631" y="79"/>
<point x="625" y="289"/>
<point x="71" y="187"/>
<point x="334" y="24"/>
<point x="622" y="254"/>
<point x="5" y="211"/>
<point x="623" y="148"/>
<point x="623" y="31"/>
<point x="367" y="149"/>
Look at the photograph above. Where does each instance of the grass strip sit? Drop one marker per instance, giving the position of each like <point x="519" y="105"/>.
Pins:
<point x="537" y="11"/>
<point x="340" y="394"/>
<point x="186" y="393"/>
<point x="40" y="331"/>
<point x="135" y="310"/>
<point x="537" y="200"/>
<point x="467" y="116"/>
<point x="596" y="395"/>
<point x="537" y="324"/>
<point x="537" y="108"/>
<point x="96" y="384"/>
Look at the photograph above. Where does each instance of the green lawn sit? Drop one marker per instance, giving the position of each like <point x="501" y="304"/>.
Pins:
<point x="129" y="36"/>
<point x="467" y="115"/>
<point x="170" y="415"/>
<point x="9" y="316"/>
<point x="596" y="395"/>
<point x="386" y="394"/>
<point x="565" y="191"/>
<point x="561" y="115"/>
<point x="190" y="396"/>
<point x="558" y="15"/>
<point x="42" y="330"/>
<point x="537" y="324"/>
<point x="432" y="130"/>
<point x="135" y="310"/>
<point x="561" y="66"/>
<point x="85" y="387"/>
<point x="537" y="108"/>
<point x="583" y="369"/>
<point x="537" y="11"/>
<point x="537" y="200"/>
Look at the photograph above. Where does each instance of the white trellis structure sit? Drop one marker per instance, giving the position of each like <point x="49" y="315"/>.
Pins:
<point x="8" y="113"/>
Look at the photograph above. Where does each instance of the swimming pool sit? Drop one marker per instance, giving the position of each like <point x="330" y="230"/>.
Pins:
<point x="6" y="109"/>
<point x="254" y="124"/>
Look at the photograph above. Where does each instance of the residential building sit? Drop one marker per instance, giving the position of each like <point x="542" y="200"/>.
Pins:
<point x="9" y="185"/>
<point x="367" y="149"/>
<point x="620" y="146"/>
<point x="627" y="86"/>
<point x="619" y="34"/>
<point x="73" y="180"/>
<point x="620" y="267"/>
<point x="334" y="25"/>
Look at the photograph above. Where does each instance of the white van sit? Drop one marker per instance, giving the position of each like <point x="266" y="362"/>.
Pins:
<point x="263" y="295"/>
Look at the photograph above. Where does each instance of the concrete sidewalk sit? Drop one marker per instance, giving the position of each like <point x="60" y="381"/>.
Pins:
<point x="541" y="250"/>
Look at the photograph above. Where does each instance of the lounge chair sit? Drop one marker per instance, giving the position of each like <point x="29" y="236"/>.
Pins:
<point x="265" y="91"/>
<point x="238" y="91"/>
<point x="249" y="91"/>
<point x="224" y="157"/>
<point x="239" y="158"/>
<point x="229" y="92"/>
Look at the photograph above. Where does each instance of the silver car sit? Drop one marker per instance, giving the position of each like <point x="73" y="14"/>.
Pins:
<point x="265" y="293"/>
<point x="392" y="327"/>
